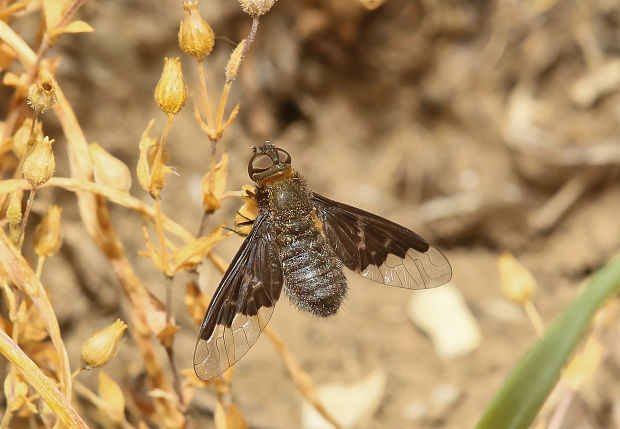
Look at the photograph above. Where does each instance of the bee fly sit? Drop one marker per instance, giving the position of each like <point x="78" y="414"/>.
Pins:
<point x="299" y="241"/>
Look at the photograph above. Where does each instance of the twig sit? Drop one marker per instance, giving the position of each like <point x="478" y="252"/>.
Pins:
<point x="205" y="97"/>
<point x="96" y="219"/>
<point x="22" y="229"/>
<point x="220" y="109"/>
<point x="111" y="194"/>
<point x="159" y="223"/>
<point x="60" y="405"/>
<point x="547" y="216"/>
<point x="160" y="147"/>
<point x="535" y="318"/>
<point x="176" y="378"/>
<point x="22" y="275"/>
<point x="561" y="409"/>
<point x="40" y="262"/>
<point x="169" y="281"/>
<point x="251" y="36"/>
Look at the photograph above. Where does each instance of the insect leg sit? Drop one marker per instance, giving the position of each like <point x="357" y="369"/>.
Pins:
<point x="227" y="228"/>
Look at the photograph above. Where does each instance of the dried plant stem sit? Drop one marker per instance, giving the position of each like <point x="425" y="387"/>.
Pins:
<point x="176" y="377"/>
<point x="222" y="389"/>
<point x="535" y="318"/>
<point x="90" y="395"/>
<point x="73" y="375"/>
<point x="35" y="117"/>
<point x="40" y="262"/>
<point x="111" y="194"/>
<point x="60" y="405"/>
<point x="205" y="214"/>
<point x="561" y="410"/>
<point x="159" y="223"/>
<point x="300" y="377"/>
<point x="203" y="224"/>
<point x="169" y="282"/>
<point x="69" y="12"/>
<point x="160" y="147"/>
<point x="251" y="37"/>
<point x="205" y="97"/>
<point x="22" y="229"/>
<point x="221" y="107"/>
<point x="6" y="419"/>
<point x="96" y="219"/>
<point x="98" y="402"/>
<point x="24" y="278"/>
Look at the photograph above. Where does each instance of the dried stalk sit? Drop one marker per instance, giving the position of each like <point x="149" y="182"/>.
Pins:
<point x="25" y="279"/>
<point x="110" y="194"/>
<point x="45" y="386"/>
<point x="96" y="219"/>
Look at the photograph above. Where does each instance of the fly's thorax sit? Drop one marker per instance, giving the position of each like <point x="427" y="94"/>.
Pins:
<point x="289" y="200"/>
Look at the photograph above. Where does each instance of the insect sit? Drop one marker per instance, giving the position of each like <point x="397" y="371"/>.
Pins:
<point x="299" y="242"/>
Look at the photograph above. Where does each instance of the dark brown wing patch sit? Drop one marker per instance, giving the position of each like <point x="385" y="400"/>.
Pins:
<point x="243" y="303"/>
<point x="380" y="249"/>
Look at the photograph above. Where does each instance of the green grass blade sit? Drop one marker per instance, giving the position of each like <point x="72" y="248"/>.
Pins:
<point x="525" y="390"/>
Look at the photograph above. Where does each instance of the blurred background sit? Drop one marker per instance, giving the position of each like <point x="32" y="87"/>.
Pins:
<point x="486" y="126"/>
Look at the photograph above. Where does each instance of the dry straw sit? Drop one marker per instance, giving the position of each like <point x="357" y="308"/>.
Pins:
<point x="42" y="385"/>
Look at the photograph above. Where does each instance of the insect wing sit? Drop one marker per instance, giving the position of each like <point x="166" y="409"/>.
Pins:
<point x="242" y="305"/>
<point x="380" y="249"/>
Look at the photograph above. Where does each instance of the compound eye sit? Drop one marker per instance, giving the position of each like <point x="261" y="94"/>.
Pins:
<point x="283" y="156"/>
<point x="259" y="163"/>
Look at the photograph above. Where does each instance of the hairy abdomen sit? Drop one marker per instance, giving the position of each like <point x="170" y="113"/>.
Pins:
<point x="314" y="278"/>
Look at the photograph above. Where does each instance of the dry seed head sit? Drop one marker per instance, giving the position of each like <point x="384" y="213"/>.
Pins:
<point x="234" y="61"/>
<point x="101" y="347"/>
<point x="42" y="94"/>
<point x="256" y="8"/>
<point x="48" y="234"/>
<point x="195" y="35"/>
<point x="39" y="165"/>
<point x="14" y="210"/>
<point x="171" y="92"/>
<point x="371" y="4"/>
<point x="518" y="284"/>
<point x="108" y="170"/>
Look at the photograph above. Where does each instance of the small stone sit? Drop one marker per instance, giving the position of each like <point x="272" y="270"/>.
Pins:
<point x="443" y="314"/>
<point x="415" y="410"/>
<point x="443" y="400"/>
<point x="348" y="404"/>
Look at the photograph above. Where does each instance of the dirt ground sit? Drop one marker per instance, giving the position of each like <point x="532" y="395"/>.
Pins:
<point x="483" y="125"/>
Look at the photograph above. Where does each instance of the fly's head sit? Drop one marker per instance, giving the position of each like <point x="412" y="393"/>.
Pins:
<point x="268" y="163"/>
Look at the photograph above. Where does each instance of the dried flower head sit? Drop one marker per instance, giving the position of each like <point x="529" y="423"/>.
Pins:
<point x="42" y="94"/>
<point x="371" y="4"/>
<point x="195" y="35"/>
<point x="47" y="237"/>
<point x="171" y="92"/>
<point x="256" y="7"/>
<point x="232" y="67"/>
<point x="518" y="284"/>
<point x="102" y="346"/>
<point x="108" y="170"/>
<point x="39" y="165"/>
